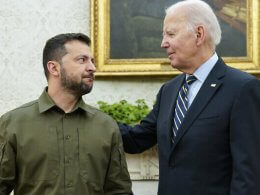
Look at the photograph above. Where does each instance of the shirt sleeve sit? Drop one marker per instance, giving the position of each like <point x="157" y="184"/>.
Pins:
<point x="7" y="161"/>
<point x="117" y="180"/>
<point x="142" y="136"/>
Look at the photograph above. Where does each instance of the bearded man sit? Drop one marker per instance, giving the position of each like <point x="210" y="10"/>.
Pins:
<point x="58" y="144"/>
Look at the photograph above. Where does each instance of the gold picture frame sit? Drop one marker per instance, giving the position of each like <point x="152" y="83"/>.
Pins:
<point x="107" y="66"/>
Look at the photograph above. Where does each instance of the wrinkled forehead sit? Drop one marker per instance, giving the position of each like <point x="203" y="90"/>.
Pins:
<point x="174" y="20"/>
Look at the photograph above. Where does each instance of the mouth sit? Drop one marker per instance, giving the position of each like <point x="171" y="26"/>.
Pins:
<point x="170" y="54"/>
<point x="89" y="77"/>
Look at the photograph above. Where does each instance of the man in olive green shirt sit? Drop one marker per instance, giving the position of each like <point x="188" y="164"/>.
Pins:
<point x="58" y="145"/>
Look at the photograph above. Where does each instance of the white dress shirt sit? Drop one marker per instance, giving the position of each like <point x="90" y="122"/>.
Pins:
<point x="201" y="74"/>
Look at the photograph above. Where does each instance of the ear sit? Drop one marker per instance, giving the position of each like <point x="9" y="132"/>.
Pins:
<point x="53" y="68"/>
<point x="200" y="32"/>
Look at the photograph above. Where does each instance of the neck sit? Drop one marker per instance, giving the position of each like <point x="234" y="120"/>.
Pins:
<point x="199" y="59"/>
<point x="62" y="98"/>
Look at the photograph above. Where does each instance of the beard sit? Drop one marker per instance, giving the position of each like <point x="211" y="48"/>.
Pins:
<point x="74" y="87"/>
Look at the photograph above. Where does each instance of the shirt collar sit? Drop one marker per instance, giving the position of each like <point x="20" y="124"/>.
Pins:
<point x="46" y="103"/>
<point x="203" y="71"/>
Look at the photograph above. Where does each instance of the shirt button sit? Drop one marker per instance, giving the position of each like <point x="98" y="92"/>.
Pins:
<point x="67" y="137"/>
<point x="68" y="161"/>
<point x="69" y="184"/>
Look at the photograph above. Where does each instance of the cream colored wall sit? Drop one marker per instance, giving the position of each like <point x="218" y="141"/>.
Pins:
<point x="25" y="26"/>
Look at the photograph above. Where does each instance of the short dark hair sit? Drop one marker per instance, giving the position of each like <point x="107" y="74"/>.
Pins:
<point x="55" y="47"/>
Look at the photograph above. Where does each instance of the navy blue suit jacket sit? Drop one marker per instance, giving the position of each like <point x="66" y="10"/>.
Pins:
<point x="217" y="148"/>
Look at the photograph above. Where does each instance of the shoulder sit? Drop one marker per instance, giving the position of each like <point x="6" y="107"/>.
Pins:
<point x="238" y="79"/>
<point x="228" y="74"/>
<point x="17" y="116"/>
<point x="103" y="124"/>
<point x="238" y="75"/>
<point x="251" y="87"/>
<point x="173" y="82"/>
<point x="177" y="79"/>
<point x="21" y="111"/>
<point x="100" y="117"/>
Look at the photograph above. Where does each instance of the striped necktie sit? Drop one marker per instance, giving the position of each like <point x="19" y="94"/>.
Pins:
<point x="181" y="105"/>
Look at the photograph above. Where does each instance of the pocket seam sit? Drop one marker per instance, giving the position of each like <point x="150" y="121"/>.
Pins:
<point x="2" y="152"/>
<point x="208" y="117"/>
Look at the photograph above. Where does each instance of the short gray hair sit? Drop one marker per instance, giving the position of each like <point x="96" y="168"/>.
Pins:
<point x="200" y="13"/>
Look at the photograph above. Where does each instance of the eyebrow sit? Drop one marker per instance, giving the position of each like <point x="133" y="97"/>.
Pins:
<point x="169" y="30"/>
<point x="84" y="56"/>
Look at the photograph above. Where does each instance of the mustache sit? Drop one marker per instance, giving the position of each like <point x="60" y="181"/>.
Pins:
<point x="90" y="76"/>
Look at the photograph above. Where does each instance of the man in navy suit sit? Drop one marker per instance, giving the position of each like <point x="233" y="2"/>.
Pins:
<point x="207" y="130"/>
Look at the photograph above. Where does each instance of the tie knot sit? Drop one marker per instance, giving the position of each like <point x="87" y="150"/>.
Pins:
<point x="190" y="79"/>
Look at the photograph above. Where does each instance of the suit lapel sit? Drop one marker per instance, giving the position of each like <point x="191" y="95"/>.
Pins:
<point x="173" y="94"/>
<point x="205" y="94"/>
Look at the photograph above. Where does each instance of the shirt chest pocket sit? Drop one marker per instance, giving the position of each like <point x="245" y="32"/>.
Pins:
<point x="94" y="155"/>
<point x="39" y="156"/>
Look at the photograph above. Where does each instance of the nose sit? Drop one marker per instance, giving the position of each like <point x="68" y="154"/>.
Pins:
<point x="91" y="67"/>
<point x="164" y="43"/>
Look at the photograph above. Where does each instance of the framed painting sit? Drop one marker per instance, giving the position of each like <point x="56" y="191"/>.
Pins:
<point x="126" y="36"/>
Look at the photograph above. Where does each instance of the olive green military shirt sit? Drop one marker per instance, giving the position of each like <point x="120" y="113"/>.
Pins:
<point x="44" y="151"/>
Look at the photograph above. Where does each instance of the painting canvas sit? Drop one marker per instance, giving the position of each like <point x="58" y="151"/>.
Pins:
<point x="136" y="27"/>
<point x="127" y="34"/>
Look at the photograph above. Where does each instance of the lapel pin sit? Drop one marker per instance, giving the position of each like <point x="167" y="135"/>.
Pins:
<point x="213" y="85"/>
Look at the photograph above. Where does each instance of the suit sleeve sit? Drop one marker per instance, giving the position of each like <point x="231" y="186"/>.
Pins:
<point x="142" y="136"/>
<point x="117" y="180"/>
<point x="245" y="141"/>
<point x="7" y="161"/>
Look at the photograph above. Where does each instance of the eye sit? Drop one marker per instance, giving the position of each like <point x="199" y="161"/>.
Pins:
<point x="92" y="60"/>
<point x="169" y="34"/>
<point x="81" y="60"/>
